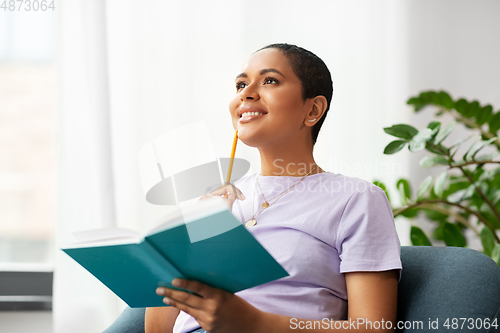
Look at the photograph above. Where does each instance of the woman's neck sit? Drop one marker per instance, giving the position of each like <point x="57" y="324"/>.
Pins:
<point x="295" y="162"/>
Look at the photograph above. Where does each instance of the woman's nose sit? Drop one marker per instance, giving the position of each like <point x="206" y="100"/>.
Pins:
<point x="249" y="93"/>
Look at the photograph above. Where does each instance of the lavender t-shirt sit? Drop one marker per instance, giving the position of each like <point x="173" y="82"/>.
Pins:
<point x="327" y="225"/>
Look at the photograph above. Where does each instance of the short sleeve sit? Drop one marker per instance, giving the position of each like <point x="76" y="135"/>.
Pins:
<point x="367" y="239"/>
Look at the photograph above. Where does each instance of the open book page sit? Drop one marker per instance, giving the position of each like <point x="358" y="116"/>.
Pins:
<point x="116" y="236"/>
<point x="104" y="236"/>
<point x="194" y="212"/>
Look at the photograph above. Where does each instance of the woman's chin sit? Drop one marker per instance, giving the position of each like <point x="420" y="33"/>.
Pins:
<point x="249" y="138"/>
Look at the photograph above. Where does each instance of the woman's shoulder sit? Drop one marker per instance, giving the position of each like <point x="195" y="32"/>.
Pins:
<point x="342" y="185"/>
<point x="324" y="183"/>
<point x="354" y="185"/>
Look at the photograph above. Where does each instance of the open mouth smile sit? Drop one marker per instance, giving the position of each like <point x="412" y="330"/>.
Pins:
<point x="251" y="113"/>
<point x="250" y="116"/>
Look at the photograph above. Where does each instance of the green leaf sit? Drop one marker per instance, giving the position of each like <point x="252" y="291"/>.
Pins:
<point x="404" y="191"/>
<point x="459" y="142"/>
<point x="477" y="200"/>
<point x="488" y="241"/>
<point x="472" y="109"/>
<point x="424" y="187"/>
<point x="445" y="132"/>
<point x="461" y="106"/>
<point x="417" y="103"/>
<point x="458" y="162"/>
<point x="495" y="196"/>
<point x="429" y="161"/>
<point x="418" y="237"/>
<point x="401" y="131"/>
<point x="410" y="213"/>
<point x="434" y="97"/>
<point x="472" y="146"/>
<point x="455" y="184"/>
<point x="436" y="149"/>
<point x="462" y="195"/>
<point x="439" y="184"/>
<point x="476" y="147"/>
<point x="494" y="123"/>
<point x="486" y="157"/>
<point x="495" y="254"/>
<point x="446" y="100"/>
<point x="438" y="233"/>
<point x="394" y="147"/>
<point x="478" y="172"/>
<point x="434" y="125"/>
<point x="456" y="197"/>
<point x="489" y="174"/>
<point x="452" y="236"/>
<point x="484" y="115"/>
<point x="383" y="187"/>
<point x="493" y="221"/>
<point x="413" y="101"/>
<point x="434" y="215"/>
<point x="484" y="144"/>
<point x="469" y="191"/>
<point x="420" y="139"/>
<point x="425" y="97"/>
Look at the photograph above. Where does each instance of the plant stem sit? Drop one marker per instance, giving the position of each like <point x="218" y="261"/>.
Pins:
<point x="427" y="205"/>
<point x="453" y="214"/>
<point x="472" y="162"/>
<point x="470" y="211"/>
<point x="481" y="193"/>
<point x="467" y="209"/>
<point x="472" y="124"/>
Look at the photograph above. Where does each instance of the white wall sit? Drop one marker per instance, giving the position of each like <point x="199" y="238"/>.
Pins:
<point x="454" y="45"/>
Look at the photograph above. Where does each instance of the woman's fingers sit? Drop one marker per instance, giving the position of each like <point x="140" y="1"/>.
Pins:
<point x="179" y="297"/>
<point x="233" y="190"/>
<point x="199" y="289"/>
<point x="226" y="191"/>
<point x="196" y="287"/>
<point x="196" y="304"/>
<point x="186" y="307"/>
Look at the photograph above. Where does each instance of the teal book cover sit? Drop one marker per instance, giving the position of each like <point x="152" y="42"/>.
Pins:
<point x="205" y="243"/>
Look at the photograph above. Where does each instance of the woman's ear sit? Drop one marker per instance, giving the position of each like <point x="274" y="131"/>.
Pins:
<point x="318" y="108"/>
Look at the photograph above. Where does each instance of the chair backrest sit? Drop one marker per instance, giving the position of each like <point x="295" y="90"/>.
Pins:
<point x="441" y="285"/>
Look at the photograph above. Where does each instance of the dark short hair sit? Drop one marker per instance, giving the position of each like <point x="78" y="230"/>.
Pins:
<point x="312" y="73"/>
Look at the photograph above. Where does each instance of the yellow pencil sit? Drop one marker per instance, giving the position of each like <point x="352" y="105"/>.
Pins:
<point x="231" y="161"/>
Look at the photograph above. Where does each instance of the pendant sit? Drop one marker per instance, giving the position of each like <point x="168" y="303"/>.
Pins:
<point x="265" y="204"/>
<point x="251" y="223"/>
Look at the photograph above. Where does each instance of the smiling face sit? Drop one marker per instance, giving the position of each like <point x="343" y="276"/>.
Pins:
<point x="268" y="108"/>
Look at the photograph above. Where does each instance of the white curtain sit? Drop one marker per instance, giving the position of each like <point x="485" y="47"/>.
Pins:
<point x="131" y="71"/>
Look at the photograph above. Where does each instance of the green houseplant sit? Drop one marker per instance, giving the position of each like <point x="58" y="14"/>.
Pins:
<point x="466" y="195"/>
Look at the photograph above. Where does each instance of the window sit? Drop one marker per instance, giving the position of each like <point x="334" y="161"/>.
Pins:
<point x="28" y="112"/>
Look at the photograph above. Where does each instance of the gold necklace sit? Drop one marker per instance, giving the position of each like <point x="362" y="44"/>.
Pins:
<point x="266" y="204"/>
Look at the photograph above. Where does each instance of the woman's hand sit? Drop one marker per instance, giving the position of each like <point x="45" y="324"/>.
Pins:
<point x="216" y="310"/>
<point x="228" y="192"/>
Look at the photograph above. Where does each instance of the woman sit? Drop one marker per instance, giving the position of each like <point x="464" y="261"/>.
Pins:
<point x="333" y="234"/>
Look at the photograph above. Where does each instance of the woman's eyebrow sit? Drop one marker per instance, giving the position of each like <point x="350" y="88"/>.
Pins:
<point x="262" y="72"/>
<point x="240" y="75"/>
<point x="270" y="70"/>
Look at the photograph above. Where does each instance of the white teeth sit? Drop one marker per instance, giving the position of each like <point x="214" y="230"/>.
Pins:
<point x="247" y="114"/>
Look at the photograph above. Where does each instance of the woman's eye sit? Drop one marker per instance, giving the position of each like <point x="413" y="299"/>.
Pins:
<point x="270" y="80"/>
<point x="240" y="85"/>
